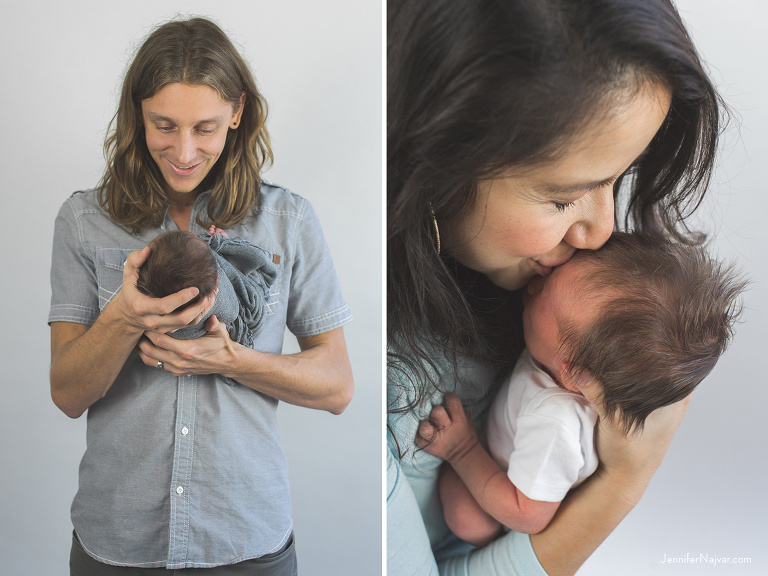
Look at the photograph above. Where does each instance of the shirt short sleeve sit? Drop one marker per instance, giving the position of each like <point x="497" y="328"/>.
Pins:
<point x="316" y="304"/>
<point x="74" y="288"/>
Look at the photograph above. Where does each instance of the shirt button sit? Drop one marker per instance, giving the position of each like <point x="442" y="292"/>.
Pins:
<point x="179" y="490"/>
<point x="185" y="430"/>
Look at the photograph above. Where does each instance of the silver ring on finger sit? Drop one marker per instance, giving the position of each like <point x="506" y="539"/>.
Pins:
<point x="159" y="365"/>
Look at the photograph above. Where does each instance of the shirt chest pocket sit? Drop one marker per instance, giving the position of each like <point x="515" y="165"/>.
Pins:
<point x="273" y="291"/>
<point x="109" y="272"/>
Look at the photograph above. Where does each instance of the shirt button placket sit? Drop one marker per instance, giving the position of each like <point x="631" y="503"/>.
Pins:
<point x="182" y="472"/>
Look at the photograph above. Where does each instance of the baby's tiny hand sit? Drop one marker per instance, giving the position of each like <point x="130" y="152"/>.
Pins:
<point x="449" y="433"/>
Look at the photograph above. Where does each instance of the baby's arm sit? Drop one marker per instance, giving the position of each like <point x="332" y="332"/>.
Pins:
<point x="450" y="435"/>
<point x="462" y="513"/>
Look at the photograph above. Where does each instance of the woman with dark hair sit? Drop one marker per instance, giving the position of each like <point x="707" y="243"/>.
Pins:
<point x="184" y="468"/>
<point x="519" y="132"/>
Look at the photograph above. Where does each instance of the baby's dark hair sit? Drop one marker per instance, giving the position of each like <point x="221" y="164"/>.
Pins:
<point x="667" y="313"/>
<point x="178" y="260"/>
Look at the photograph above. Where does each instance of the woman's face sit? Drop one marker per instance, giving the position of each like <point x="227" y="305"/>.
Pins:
<point x="532" y="220"/>
<point x="186" y="129"/>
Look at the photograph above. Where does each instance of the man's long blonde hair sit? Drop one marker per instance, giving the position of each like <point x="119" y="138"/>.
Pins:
<point x="195" y="52"/>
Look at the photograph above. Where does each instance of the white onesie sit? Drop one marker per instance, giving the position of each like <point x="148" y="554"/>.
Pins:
<point x="541" y="433"/>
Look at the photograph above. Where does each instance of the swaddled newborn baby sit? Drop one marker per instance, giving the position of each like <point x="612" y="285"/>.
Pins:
<point x="242" y="273"/>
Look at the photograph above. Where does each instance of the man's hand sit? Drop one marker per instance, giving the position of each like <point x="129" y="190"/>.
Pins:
<point x="209" y="354"/>
<point x="144" y="313"/>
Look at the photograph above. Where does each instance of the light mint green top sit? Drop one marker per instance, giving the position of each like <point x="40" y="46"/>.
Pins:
<point x="416" y="471"/>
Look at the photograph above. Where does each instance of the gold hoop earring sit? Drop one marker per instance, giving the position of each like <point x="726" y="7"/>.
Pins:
<point x="437" y="230"/>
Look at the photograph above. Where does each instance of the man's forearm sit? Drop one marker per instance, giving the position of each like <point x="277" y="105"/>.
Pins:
<point x="85" y="360"/>
<point x="318" y="377"/>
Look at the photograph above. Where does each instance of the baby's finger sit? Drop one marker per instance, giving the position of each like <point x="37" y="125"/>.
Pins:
<point x="424" y="433"/>
<point x="453" y="406"/>
<point x="439" y="417"/>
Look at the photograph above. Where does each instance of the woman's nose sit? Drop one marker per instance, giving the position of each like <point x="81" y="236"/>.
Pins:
<point x="593" y="228"/>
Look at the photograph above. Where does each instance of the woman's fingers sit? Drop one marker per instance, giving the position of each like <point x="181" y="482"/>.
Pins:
<point x="592" y="391"/>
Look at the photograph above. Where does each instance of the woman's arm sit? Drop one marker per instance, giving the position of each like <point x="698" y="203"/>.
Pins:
<point x="85" y="360"/>
<point x="318" y="377"/>
<point x="590" y="513"/>
<point x="408" y="550"/>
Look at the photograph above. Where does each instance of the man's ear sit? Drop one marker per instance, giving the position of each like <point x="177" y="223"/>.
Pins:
<point x="238" y="113"/>
<point x="574" y="380"/>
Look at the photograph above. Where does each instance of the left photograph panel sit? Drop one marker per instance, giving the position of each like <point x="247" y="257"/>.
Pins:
<point x="195" y="365"/>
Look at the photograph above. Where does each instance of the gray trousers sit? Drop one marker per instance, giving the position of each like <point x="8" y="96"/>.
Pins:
<point x="281" y="563"/>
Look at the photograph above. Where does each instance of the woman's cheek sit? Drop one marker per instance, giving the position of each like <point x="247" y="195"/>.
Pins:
<point x="530" y="241"/>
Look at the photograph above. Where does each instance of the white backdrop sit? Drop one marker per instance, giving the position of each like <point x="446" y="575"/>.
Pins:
<point x="709" y="499"/>
<point x="319" y="66"/>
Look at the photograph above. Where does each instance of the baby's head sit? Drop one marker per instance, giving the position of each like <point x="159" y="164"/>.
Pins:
<point x="646" y="317"/>
<point x="178" y="260"/>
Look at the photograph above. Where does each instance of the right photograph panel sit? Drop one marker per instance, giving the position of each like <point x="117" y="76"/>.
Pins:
<point x="574" y="287"/>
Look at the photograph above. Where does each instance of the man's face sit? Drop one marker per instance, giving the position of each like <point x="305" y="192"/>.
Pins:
<point x="186" y="128"/>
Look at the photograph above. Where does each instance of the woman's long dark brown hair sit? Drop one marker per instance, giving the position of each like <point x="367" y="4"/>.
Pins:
<point x="479" y="86"/>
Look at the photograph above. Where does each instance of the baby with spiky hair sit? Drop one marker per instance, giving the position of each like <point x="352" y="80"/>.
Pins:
<point x="645" y="317"/>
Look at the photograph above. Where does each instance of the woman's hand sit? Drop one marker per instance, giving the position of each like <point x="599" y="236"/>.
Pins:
<point x="449" y="433"/>
<point x="636" y="457"/>
<point x="590" y="512"/>
<point x="145" y="313"/>
<point x="209" y="354"/>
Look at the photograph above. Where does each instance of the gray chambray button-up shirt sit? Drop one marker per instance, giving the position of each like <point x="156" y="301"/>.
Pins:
<point x="188" y="471"/>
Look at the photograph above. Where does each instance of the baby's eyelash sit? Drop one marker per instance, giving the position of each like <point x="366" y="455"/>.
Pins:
<point x="563" y="206"/>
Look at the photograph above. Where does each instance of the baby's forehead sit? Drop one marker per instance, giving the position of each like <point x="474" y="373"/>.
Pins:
<point x="582" y="294"/>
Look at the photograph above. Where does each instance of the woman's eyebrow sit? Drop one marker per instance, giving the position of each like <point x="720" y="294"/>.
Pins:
<point x="565" y="189"/>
